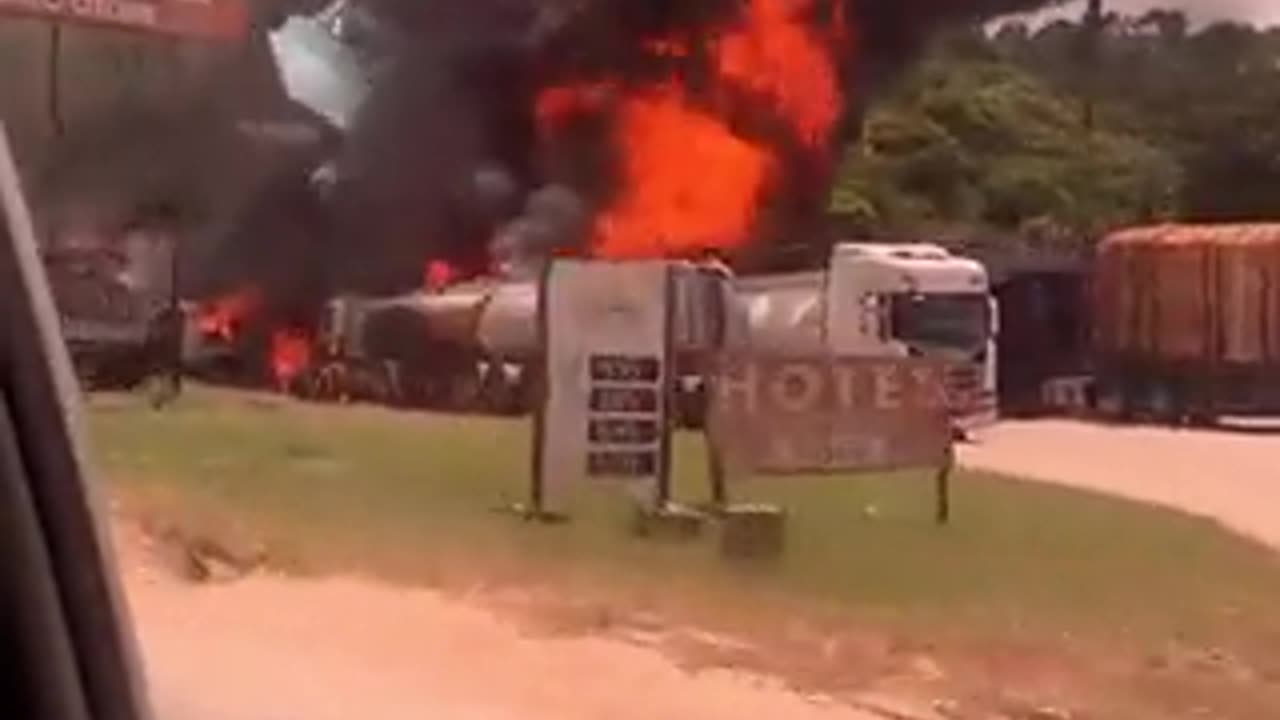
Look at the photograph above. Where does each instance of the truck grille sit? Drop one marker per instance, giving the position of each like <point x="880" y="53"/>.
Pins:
<point x="964" y="390"/>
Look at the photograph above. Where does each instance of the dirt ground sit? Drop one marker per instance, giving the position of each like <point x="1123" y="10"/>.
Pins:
<point x="270" y="648"/>
<point x="1232" y="476"/>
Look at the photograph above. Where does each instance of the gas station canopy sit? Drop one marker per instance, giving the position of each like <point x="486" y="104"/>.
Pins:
<point x="218" y="20"/>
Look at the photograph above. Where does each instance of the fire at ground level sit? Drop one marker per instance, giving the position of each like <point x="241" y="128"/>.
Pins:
<point x="474" y="346"/>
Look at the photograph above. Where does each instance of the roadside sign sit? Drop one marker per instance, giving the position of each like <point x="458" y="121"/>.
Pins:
<point x="197" y="19"/>
<point x="606" y="330"/>
<point x="780" y="415"/>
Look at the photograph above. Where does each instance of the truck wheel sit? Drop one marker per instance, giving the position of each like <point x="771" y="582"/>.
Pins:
<point x="497" y="394"/>
<point x="1113" y="404"/>
<point x="465" y="392"/>
<point x="1202" y="414"/>
<point x="1202" y="420"/>
<point x="1164" y="404"/>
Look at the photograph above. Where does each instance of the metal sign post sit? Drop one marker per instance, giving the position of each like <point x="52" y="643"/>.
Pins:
<point x="606" y="334"/>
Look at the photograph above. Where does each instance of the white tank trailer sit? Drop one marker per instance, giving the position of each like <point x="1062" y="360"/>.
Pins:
<point x="475" y="345"/>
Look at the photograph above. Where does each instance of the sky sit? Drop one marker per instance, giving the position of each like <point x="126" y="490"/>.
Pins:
<point x="1263" y="12"/>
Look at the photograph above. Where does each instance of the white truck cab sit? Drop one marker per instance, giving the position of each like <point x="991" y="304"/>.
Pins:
<point x="886" y="300"/>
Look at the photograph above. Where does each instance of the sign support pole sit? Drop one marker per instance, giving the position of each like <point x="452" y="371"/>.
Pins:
<point x="662" y="497"/>
<point x="715" y="472"/>
<point x="708" y="366"/>
<point x="537" y="494"/>
<point x="943" y="485"/>
<point x="176" y="317"/>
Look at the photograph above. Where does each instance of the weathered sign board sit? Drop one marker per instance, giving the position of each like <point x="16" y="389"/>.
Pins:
<point x="606" y="339"/>
<point x="779" y="415"/>
<point x="196" y="19"/>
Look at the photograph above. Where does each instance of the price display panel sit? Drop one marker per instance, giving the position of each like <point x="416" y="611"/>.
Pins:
<point x="625" y="368"/>
<point x="607" y="328"/>
<point x="622" y="431"/>
<point x="623" y="400"/>
<point x="622" y="463"/>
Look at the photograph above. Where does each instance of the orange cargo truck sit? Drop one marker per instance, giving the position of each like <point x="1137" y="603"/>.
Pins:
<point x="1187" y="321"/>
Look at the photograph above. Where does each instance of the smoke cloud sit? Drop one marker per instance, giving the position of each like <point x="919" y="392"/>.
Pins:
<point x="446" y="160"/>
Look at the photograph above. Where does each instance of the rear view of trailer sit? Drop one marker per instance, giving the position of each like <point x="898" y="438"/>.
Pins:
<point x="1188" y="321"/>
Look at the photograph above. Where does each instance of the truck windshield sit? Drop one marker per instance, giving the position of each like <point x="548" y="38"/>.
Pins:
<point x="952" y="321"/>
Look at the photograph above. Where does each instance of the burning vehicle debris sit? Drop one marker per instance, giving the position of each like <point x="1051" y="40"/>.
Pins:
<point x="116" y="299"/>
<point x="496" y="135"/>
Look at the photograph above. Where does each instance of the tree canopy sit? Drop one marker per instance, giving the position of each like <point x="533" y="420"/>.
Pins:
<point x="1144" y="119"/>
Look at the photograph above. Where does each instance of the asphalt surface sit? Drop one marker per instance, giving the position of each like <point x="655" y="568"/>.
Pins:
<point x="1232" y="476"/>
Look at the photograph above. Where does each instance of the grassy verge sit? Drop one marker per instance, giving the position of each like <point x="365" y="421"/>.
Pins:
<point x="1029" y="583"/>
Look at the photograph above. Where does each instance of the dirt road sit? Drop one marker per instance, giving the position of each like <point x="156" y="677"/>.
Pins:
<point x="1233" y="477"/>
<point x="269" y="648"/>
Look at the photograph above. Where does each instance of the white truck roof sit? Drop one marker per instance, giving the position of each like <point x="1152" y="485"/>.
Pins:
<point x="894" y="251"/>
<point x="925" y="260"/>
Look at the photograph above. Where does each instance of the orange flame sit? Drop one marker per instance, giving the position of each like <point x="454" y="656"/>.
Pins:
<point x="668" y="47"/>
<point x="222" y="318"/>
<point x="437" y="275"/>
<point x="290" y="355"/>
<point x="777" y="55"/>
<point x="554" y="104"/>
<point x="689" y="183"/>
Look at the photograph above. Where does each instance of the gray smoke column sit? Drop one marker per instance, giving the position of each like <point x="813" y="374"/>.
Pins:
<point x="554" y="217"/>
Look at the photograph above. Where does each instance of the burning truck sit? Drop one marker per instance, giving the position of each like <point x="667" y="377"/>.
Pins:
<point x="474" y="346"/>
<point x="115" y="302"/>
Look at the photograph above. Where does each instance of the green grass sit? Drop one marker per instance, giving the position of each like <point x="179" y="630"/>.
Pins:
<point x="1025" y="572"/>
<point x="412" y="493"/>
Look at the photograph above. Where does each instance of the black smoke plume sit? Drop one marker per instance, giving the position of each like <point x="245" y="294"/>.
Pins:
<point x="444" y="162"/>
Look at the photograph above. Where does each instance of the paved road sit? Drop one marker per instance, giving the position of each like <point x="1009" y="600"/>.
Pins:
<point x="1233" y="477"/>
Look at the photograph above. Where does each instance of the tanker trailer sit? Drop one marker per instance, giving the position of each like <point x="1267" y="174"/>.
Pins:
<point x="416" y="349"/>
<point x="1187" y="322"/>
<point x="475" y="346"/>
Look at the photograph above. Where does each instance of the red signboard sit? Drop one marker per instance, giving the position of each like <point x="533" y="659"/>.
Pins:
<point x="785" y="415"/>
<point x="200" y="19"/>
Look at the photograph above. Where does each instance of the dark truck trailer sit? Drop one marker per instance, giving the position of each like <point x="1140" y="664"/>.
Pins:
<point x="1188" y="322"/>
<point x="1045" y="329"/>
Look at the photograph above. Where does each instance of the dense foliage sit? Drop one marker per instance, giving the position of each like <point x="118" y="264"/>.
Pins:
<point x="1144" y="119"/>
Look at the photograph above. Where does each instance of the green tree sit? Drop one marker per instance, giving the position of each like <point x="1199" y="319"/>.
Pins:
<point x="972" y="140"/>
<point x="1208" y="97"/>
